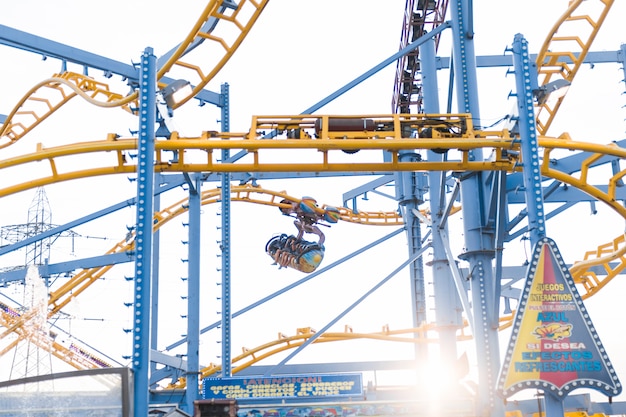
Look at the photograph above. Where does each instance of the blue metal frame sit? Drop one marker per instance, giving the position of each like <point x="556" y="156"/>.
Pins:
<point x="448" y="307"/>
<point x="526" y="84"/>
<point x="225" y="244"/>
<point x="476" y="197"/>
<point x="193" y="294"/>
<point x="479" y="242"/>
<point x="143" y="237"/>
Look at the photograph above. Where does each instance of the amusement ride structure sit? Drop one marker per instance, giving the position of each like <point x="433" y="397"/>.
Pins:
<point x="503" y="183"/>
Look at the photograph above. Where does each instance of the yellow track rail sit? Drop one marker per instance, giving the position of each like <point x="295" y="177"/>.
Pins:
<point x="603" y="256"/>
<point x="210" y="49"/>
<point x="257" y="195"/>
<point x="198" y="155"/>
<point x="59" y="298"/>
<point x="49" y="95"/>
<point x="62" y="296"/>
<point x="251" y="356"/>
<point x="576" y="32"/>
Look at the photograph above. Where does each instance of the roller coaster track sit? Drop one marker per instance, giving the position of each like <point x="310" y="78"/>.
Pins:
<point x="49" y="95"/>
<point x="251" y="356"/>
<point x="603" y="256"/>
<point x="62" y="296"/>
<point x="418" y="19"/>
<point x="36" y="106"/>
<point x="500" y="143"/>
<point x="562" y="55"/>
<point x="243" y="193"/>
<point x="73" y="355"/>
<point x="248" y="193"/>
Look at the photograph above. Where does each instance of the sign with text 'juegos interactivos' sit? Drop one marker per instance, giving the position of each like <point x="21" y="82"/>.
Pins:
<point x="554" y="345"/>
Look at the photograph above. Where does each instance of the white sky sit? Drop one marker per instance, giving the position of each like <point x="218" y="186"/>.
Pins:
<point x="299" y="52"/>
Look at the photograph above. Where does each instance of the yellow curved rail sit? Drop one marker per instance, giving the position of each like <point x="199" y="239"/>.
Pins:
<point x="248" y="193"/>
<point x="78" y="358"/>
<point x="62" y="296"/>
<point x="564" y="51"/>
<point x="211" y="45"/>
<point x="613" y="252"/>
<point x="224" y="40"/>
<point x="48" y="96"/>
<point x="243" y="193"/>
<point x="251" y="356"/>
<point x="603" y="256"/>
<point x="111" y="154"/>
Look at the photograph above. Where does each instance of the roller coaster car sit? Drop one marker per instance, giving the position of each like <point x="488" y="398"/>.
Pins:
<point x="307" y="210"/>
<point x="299" y="254"/>
<point x="438" y="132"/>
<point x="331" y="214"/>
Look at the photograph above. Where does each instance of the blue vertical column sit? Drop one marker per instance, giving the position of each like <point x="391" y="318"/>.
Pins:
<point x="193" y="294"/>
<point x="479" y="234"/>
<point x="226" y="308"/>
<point x="622" y="56"/>
<point x="447" y="303"/>
<point x="156" y="242"/>
<point x="410" y="188"/>
<point x="526" y="83"/>
<point x="143" y="238"/>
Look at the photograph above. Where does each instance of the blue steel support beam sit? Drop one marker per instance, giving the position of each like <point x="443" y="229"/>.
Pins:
<point x="143" y="240"/>
<point x="526" y="84"/>
<point x="479" y="241"/>
<point x="410" y="193"/>
<point x="193" y="295"/>
<point x="51" y="49"/>
<point x="297" y="283"/>
<point x="226" y="287"/>
<point x="447" y="302"/>
<point x="492" y="61"/>
<point x="47" y="270"/>
<point x="393" y="58"/>
<point x="412" y="258"/>
<point x="156" y="248"/>
<point x="410" y="189"/>
<point x="622" y="58"/>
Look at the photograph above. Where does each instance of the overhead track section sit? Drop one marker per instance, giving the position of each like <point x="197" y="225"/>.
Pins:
<point x="249" y="357"/>
<point x="203" y="60"/>
<point x="565" y="49"/>
<point x="48" y="96"/>
<point x="610" y="257"/>
<point x="198" y="154"/>
<point x="221" y="28"/>
<point x="72" y="354"/>
<point x="420" y="17"/>
<point x="60" y="297"/>
<point x="77" y="284"/>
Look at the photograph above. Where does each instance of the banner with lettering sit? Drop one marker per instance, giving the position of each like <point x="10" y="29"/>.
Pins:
<point x="554" y="345"/>
<point x="285" y="386"/>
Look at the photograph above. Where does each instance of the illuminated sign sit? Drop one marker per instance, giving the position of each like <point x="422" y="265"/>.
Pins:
<point x="284" y="386"/>
<point x="553" y="345"/>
